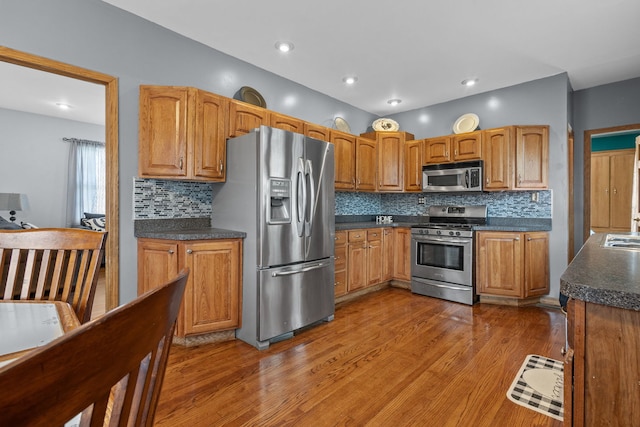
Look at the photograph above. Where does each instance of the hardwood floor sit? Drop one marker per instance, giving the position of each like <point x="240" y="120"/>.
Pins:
<point x="390" y="358"/>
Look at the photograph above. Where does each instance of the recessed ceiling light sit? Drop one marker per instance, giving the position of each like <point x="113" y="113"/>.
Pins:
<point x="469" y="82"/>
<point x="63" y="106"/>
<point x="284" y="46"/>
<point x="350" y="80"/>
<point x="394" y="102"/>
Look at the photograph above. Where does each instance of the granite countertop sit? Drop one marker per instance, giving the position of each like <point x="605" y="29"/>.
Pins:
<point x="493" y="224"/>
<point x="183" y="229"/>
<point x="607" y="276"/>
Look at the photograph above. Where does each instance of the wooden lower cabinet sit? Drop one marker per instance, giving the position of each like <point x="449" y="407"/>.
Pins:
<point x="602" y="366"/>
<point x="340" y="258"/>
<point x="387" y="254"/>
<point x="212" y="298"/>
<point x="512" y="264"/>
<point x="402" y="254"/>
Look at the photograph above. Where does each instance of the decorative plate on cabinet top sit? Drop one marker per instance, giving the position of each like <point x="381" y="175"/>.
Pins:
<point x="388" y="125"/>
<point x="342" y="125"/>
<point x="466" y="123"/>
<point x="252" y="96"/>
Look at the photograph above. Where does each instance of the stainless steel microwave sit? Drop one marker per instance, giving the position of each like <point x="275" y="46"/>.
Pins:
<point x="452" y="177"/>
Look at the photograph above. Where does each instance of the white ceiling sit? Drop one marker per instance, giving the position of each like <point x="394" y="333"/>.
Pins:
<point x="418" y="51"/>
<point x="38" y="92"/>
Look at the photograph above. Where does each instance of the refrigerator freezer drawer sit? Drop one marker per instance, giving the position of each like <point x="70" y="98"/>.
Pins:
<point x="295" y="296"/>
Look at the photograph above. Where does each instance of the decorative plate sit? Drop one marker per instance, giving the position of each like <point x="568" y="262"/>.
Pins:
<point x="252" y="96"/>
<point x="388" y="125"/>
<point x="342" y="125"/>
<point x="466" y="123"/>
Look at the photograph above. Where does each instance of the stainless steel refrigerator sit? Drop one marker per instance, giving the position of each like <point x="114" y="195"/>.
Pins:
<point x="279" y="190"/>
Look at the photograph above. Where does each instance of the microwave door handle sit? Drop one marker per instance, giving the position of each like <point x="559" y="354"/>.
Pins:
<point x="466" y="178"/>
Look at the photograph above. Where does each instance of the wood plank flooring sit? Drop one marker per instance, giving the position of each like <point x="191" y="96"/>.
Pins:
<point x="390" y="358"/>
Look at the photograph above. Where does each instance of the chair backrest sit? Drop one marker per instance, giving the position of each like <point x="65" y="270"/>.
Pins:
<point x="52" y="264"/>
<point x="109" y="369"/>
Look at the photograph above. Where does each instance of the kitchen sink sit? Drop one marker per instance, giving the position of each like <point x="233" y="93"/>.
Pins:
<point x="622" y="241"/>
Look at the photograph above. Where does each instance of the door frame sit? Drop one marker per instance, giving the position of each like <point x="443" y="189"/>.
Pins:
<point x="586" y="221"/>
<point x="110" y="84"/>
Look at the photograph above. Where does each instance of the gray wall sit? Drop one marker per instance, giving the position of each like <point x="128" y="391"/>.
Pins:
<point x="100" y="37"/>
<point x="615" y="104"/>
<point x="34" y="162"/>
<point x="543" y="101"/>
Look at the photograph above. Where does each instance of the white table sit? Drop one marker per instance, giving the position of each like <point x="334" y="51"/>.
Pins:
<point x="25" y="325"/>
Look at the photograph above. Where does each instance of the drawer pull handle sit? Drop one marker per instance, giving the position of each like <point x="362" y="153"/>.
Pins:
<point x="189" y="251"/>
<point x="171" y="252"/>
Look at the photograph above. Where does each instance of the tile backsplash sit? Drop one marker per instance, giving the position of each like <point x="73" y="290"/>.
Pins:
<point x="156" y="198"/>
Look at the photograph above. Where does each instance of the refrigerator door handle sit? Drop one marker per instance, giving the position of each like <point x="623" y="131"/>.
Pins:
<point x="301" y="197"/>
<point x="302" y="270"/>
<point x="308" y="220"/>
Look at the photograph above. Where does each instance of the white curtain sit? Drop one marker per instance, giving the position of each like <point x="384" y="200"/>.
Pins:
<point x="86" y="190"/>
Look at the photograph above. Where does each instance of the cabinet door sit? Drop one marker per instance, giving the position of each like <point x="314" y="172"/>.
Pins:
<point x="532" y="157"/>
<point x="467" y="146"/>
<point x="387" y="254"/>
<point x="357" y="266"/>
<point x="365" y="164"/>
<point x="497" y="154"/>
<point x="499" y="261"/>
<point x="390" y="161"/>
<point x="413" y="165"/>
<point x="374" y="256"/>
<point x="345" y="160"/>
<point x="600" y="194"/>
<point x="436" y="150"/>
<point x="212" y="296"/>
<point x="536" y="264"/>
<point x="157" y="263"/>
<point x="281" y="121"/>
<point x="316" y="131"/>
<point x="243" y="118"/>
<point x="402" y="254"/>
<point x="621" y="183"/>
<point x="209" y="149"/>
<point x="163" y="131"/>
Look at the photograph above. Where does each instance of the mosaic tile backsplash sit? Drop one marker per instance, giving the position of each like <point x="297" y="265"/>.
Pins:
<point x="158" y="198"/>
<point x="154" y="199"/>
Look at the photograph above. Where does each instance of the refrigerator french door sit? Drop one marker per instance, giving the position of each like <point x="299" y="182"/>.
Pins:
<point x="279" y="191"/>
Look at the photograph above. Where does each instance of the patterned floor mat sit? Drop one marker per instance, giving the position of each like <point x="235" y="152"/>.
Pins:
<point x="539" y="386"/>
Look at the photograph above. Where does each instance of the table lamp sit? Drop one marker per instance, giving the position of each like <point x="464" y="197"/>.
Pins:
<point x="13" y="202"/>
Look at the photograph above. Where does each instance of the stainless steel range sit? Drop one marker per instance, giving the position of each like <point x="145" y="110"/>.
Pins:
<point x="442" y="252"/>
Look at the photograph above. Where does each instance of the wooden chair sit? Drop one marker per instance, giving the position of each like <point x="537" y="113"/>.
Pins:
<point x="109" y="369"/>
<point x="52" y="264"/>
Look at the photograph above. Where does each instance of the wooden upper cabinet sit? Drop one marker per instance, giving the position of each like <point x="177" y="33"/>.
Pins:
<point x="413" y="165"/>
<point x="436" y="150"/>
<point x="467" y="146"/>
<point x="532" y="157"/>
<point x="390" y="158"/>
<point x="516" y="158"/>
<point x="345" y="160"/>
<point x="366" y="156"/>
<point x="316" y="131"/>
<point x="498" y="166"/>
<point x="243" y="118"/>
<point x="181" y="134"/>
<point x="281" y="121"/>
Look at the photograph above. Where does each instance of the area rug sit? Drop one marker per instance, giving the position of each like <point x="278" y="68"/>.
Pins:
<point x="539" y="386"/>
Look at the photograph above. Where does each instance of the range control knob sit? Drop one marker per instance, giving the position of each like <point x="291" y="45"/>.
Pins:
<point x="451" y="233"/>
<point x="438" y="232"/>
<point x="457" y="233"/>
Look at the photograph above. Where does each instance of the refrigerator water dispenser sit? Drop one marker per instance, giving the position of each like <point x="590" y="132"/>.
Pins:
<point x="279" y="201"/>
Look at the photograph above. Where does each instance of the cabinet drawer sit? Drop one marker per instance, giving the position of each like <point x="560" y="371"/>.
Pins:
<point x="340" y="283"/>
<point x="340" y="257"/>
<point x="374" y="234"/>
<point x="341" y="237"/>
<point x="357" y="236"/>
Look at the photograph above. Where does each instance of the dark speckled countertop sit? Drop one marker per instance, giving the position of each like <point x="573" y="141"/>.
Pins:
<point x="607" y="276"/>
<point x="347" y="222"/>
<point x="183" y="229"/>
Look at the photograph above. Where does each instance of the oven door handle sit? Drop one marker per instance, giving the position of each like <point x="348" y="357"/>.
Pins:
<point x="457" y="288"/>
<point x="440" y="240"/>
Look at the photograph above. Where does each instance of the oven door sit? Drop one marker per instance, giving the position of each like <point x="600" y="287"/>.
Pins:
<point x="445" y="259"/>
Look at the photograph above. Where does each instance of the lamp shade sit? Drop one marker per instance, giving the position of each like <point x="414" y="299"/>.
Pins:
<point x="13" y="202"/>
